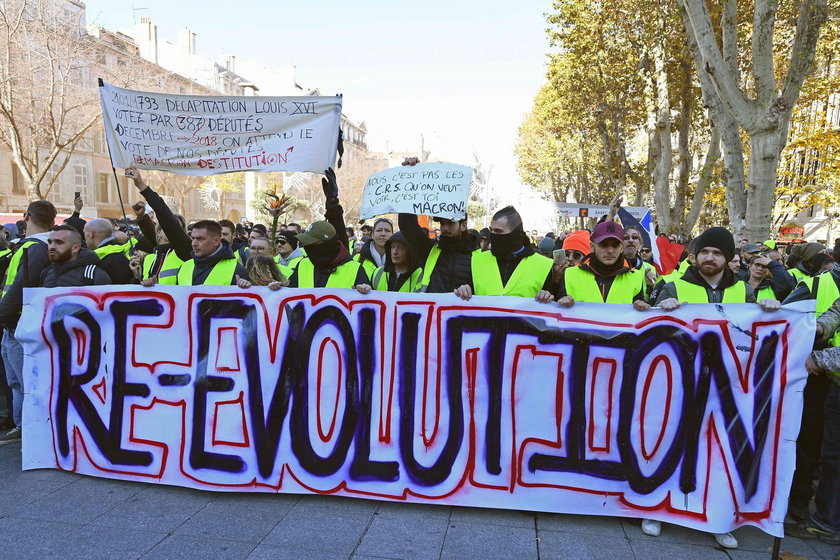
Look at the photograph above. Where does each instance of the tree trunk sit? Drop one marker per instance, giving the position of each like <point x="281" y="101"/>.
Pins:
<point x="664" y="164"/>
<point x="706" y="173"/>
<point x="761" y="183"/>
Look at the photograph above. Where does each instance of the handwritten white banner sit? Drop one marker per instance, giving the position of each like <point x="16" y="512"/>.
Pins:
<point x="689" y="417"/>
<point x="431" y="189"/>
<point x="209" y="135"/>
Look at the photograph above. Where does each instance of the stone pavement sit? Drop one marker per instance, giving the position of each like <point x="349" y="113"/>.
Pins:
<point x="49" y="514"/>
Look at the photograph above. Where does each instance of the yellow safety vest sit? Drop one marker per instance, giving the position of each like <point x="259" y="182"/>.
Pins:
<point x="429" y="267"/>
<point x="798" y="274"/>
<point x="527" y="279"/>
<point x="241" y="255"/>
<point x="14" y="265"/>
<point x="292" y="263"/>
<point x="343" y="277"/>
<point x="106" y="250"/>
<point x="582" y="286"/>
<point x="168" y="273"/>
<point x="221" y="275"/>
<point x="827" y="294"/>
<point x="381" y="280"/>
<point x="765" y="293"/>
<point x="692" y="293"/>
<point x="128" y="246"/>
<point x="368" y="265"/>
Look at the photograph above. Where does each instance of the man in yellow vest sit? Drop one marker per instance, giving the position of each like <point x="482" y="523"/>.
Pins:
<point x="288" y="252"/>
<point x="99" y="237"/>
<point x="29" y="260"/>
<point x="328" y="263"/>
<point x="710" y="280"/>
<point x="401" y="272"/>
<point x="213" y="263"/>
<point x="809" y="259"/>
<point x="604" y="276"/>
<point x="510" y="267"/>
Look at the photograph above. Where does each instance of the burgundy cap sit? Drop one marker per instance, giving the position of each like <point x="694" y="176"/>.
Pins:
<point x="607" y="229"/>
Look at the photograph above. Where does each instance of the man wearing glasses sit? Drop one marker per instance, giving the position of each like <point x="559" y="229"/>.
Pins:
<point x="288" y="252"/>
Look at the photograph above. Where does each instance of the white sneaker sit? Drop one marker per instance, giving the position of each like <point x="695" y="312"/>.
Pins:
<point x="726" y="540"/>
<point x="651" y="528"/>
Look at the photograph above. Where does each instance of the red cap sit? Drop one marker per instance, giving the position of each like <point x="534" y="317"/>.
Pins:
<point x="606" y="230"/>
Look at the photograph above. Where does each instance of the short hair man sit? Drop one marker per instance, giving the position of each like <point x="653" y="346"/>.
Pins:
<point x="213" y="262"/>
<point x="510" y="267"/>
<point x="70" y="263"/>
<point x="604" y="276"/>
<point x="29" y="260"/>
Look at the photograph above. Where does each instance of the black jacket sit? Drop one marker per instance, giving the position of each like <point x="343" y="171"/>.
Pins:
<point x="454" y="265"/>
<point x="117" y="267"/>
<point x="82" y="271"/>
<point x="203" y="265"/>
<point x="714" y="295"/>
<point x="178" y="238"/>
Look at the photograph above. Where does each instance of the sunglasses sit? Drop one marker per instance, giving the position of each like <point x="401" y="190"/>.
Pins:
<point x="644" y="250"/>
<point x="576" y="255"/>
<point x="281" y="242"/>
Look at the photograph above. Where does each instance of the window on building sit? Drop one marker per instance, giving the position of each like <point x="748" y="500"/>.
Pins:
<point x="100" y="145"/>
<point x="104" y="188"/>
<point x="18" y="182"/>
<point x="80" y="176"/>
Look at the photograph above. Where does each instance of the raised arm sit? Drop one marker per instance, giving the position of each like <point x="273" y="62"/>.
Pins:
<point x="178" y="238"/>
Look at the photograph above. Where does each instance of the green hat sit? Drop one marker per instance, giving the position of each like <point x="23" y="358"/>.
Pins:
<point x="317" y="231"/>
<point x="770" y="244"/>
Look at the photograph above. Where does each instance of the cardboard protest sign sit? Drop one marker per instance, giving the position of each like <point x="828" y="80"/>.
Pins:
<point x="433" y="189"/>
<point x="689" y="417"/>
<point x="209" y="135"/>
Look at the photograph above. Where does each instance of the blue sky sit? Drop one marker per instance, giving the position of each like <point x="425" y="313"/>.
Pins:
<point x="463" y="74"/>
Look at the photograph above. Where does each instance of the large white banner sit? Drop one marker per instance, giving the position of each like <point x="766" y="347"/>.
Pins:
<point x="689" y="417"/>
<point x="208" y="135"/>
<point x="430" y="189"/>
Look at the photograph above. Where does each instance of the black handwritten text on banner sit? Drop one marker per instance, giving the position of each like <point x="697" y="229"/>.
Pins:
<point x="209" y="135"/>
<point x="502" y="402"/>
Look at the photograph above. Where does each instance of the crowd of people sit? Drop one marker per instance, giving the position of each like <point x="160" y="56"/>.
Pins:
<point x="609" y="264"/>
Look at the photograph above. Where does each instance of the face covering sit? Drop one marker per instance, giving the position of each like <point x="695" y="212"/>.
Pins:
<point x="503" y="244"/>
<point x="323" y="254"/>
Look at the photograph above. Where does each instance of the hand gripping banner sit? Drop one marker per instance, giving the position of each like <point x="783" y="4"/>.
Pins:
<point x="689" y="417"/>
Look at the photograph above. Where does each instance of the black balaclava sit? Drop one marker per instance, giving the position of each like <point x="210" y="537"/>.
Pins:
<point x="323" y="254"/>
<point x="504" y="244"/>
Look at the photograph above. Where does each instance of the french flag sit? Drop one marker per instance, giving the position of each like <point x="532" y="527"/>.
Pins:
<point x="666" y="255"/>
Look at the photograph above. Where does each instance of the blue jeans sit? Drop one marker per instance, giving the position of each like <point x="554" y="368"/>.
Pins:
<point x="12" y="353"/>
<point x="827" y="497"/>
<point x="5" y="392"/>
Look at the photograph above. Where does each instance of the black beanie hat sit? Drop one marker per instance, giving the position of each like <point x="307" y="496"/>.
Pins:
<point x="289" y="236"/>
<point x="719" y="238"/>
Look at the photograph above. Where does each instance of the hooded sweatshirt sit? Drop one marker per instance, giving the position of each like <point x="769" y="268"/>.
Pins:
<point x="297" y="253"/>
<point x="396" y="282"/>
<point x="82" y="271"/>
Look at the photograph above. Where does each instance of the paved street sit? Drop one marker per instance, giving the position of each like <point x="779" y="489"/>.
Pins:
<point x="52" y="514"/>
